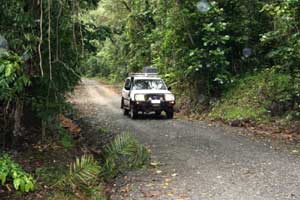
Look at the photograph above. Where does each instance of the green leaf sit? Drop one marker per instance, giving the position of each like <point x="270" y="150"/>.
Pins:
<point x="17" y="183"/>
<point x="3" y="178"/>
<point x="8" y="70"/>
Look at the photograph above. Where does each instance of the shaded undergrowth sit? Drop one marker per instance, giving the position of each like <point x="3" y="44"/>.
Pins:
<point x="69" y="167"/>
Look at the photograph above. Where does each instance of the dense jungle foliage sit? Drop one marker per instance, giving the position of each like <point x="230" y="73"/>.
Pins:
<point x="42" y="43"/>
<point x="206" y="49"/>
<point x="236" y="59"/>
<point x="43" y="46"/>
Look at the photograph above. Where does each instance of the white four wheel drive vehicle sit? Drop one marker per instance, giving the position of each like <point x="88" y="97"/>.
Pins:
<point x="145" y="93"/>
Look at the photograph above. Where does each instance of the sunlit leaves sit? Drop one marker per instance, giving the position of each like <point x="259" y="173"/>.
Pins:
<point x="12" y="78"/>
<point x="9" y="170"/>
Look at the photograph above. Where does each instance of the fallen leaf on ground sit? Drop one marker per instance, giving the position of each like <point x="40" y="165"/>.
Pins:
<point x="8" y="187"/>
<point x="155" y="164"/>
<point x="152" y="194"/>
<point x="70" y="125"/>
<point x="295" y="151"/>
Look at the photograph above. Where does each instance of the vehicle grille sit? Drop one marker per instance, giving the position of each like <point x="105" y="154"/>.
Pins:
<point x="154" y="96"/>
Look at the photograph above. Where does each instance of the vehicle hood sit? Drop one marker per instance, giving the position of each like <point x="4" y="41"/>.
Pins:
<point x="150" y="92"/>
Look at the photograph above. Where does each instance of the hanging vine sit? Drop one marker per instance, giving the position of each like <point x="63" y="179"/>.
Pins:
<point x="74" y="26"/>
<point x="49" y="38"/>
<point x="80" y="29"/>
<point x="57" y="30"/>
<point x="41" y="38"/>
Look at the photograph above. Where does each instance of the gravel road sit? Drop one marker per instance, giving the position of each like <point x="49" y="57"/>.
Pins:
<point x="199" y="161"/>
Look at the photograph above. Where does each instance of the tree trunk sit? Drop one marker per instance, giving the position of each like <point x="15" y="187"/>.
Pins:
<point x="18" y="118"/>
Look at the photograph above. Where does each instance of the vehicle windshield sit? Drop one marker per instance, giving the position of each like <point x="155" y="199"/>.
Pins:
<point x="149" y="85"/>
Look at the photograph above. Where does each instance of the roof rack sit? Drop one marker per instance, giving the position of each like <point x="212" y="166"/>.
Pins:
<point x="150" y="69"/>
<point x="144" y="74"/>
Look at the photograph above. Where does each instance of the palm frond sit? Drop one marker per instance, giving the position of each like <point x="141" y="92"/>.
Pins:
<point x="83" y="172"/>
<point x="124" y="153"/>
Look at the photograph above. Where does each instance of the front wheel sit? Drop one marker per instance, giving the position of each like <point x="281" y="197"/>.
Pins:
<point x="157" y="113"/>
<point x="122" y="103"/>
<point x="133" y="113"/>
<point x="125" y="111"/>
<point x="170" y="114"/>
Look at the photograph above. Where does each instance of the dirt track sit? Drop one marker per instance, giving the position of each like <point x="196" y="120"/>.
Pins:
<point x="198" y="161"/>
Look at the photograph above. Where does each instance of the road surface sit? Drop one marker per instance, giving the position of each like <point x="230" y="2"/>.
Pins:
<point x="199" y="161"/>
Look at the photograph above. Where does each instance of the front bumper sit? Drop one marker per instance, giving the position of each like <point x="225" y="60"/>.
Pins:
<point x="150" y="107"/>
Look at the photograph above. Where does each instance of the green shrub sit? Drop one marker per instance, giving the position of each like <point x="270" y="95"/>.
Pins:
<point x="9" y="170"/>
<point x="123" y="154"/>
<point x="66" y="140"/>
<point x="13" y="81"/>
<point x="251" y="97"/>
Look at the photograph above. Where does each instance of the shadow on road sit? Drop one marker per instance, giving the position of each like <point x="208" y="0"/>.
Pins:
<point x="151" y="117"/>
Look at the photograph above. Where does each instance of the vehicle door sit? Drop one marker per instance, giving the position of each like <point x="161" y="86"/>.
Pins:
<point x="126" y="92"/>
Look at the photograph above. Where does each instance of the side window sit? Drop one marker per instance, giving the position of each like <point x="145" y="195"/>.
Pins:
<point x="127" y="84"/>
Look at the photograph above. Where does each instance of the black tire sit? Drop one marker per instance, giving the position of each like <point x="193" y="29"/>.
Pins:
<point x="122" y="103"/>
<point x="157" y="113"/>
<point x="125" y="112"/>
<point x="133" y="113"/>
<point x="170" y="114"/>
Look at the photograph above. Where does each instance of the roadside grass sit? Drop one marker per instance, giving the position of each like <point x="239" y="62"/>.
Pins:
<point x="104" y="131"/>
<point x="49" y="175"/>
<point x="252" y="96"/>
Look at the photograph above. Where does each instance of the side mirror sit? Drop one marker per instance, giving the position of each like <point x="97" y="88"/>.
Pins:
<point x="127" y="88"/>
<point x="170" y="88"/>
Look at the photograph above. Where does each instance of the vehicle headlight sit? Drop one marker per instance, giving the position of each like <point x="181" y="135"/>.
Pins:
<point x="139" y="97"/>
<point x="169" y="97"/>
